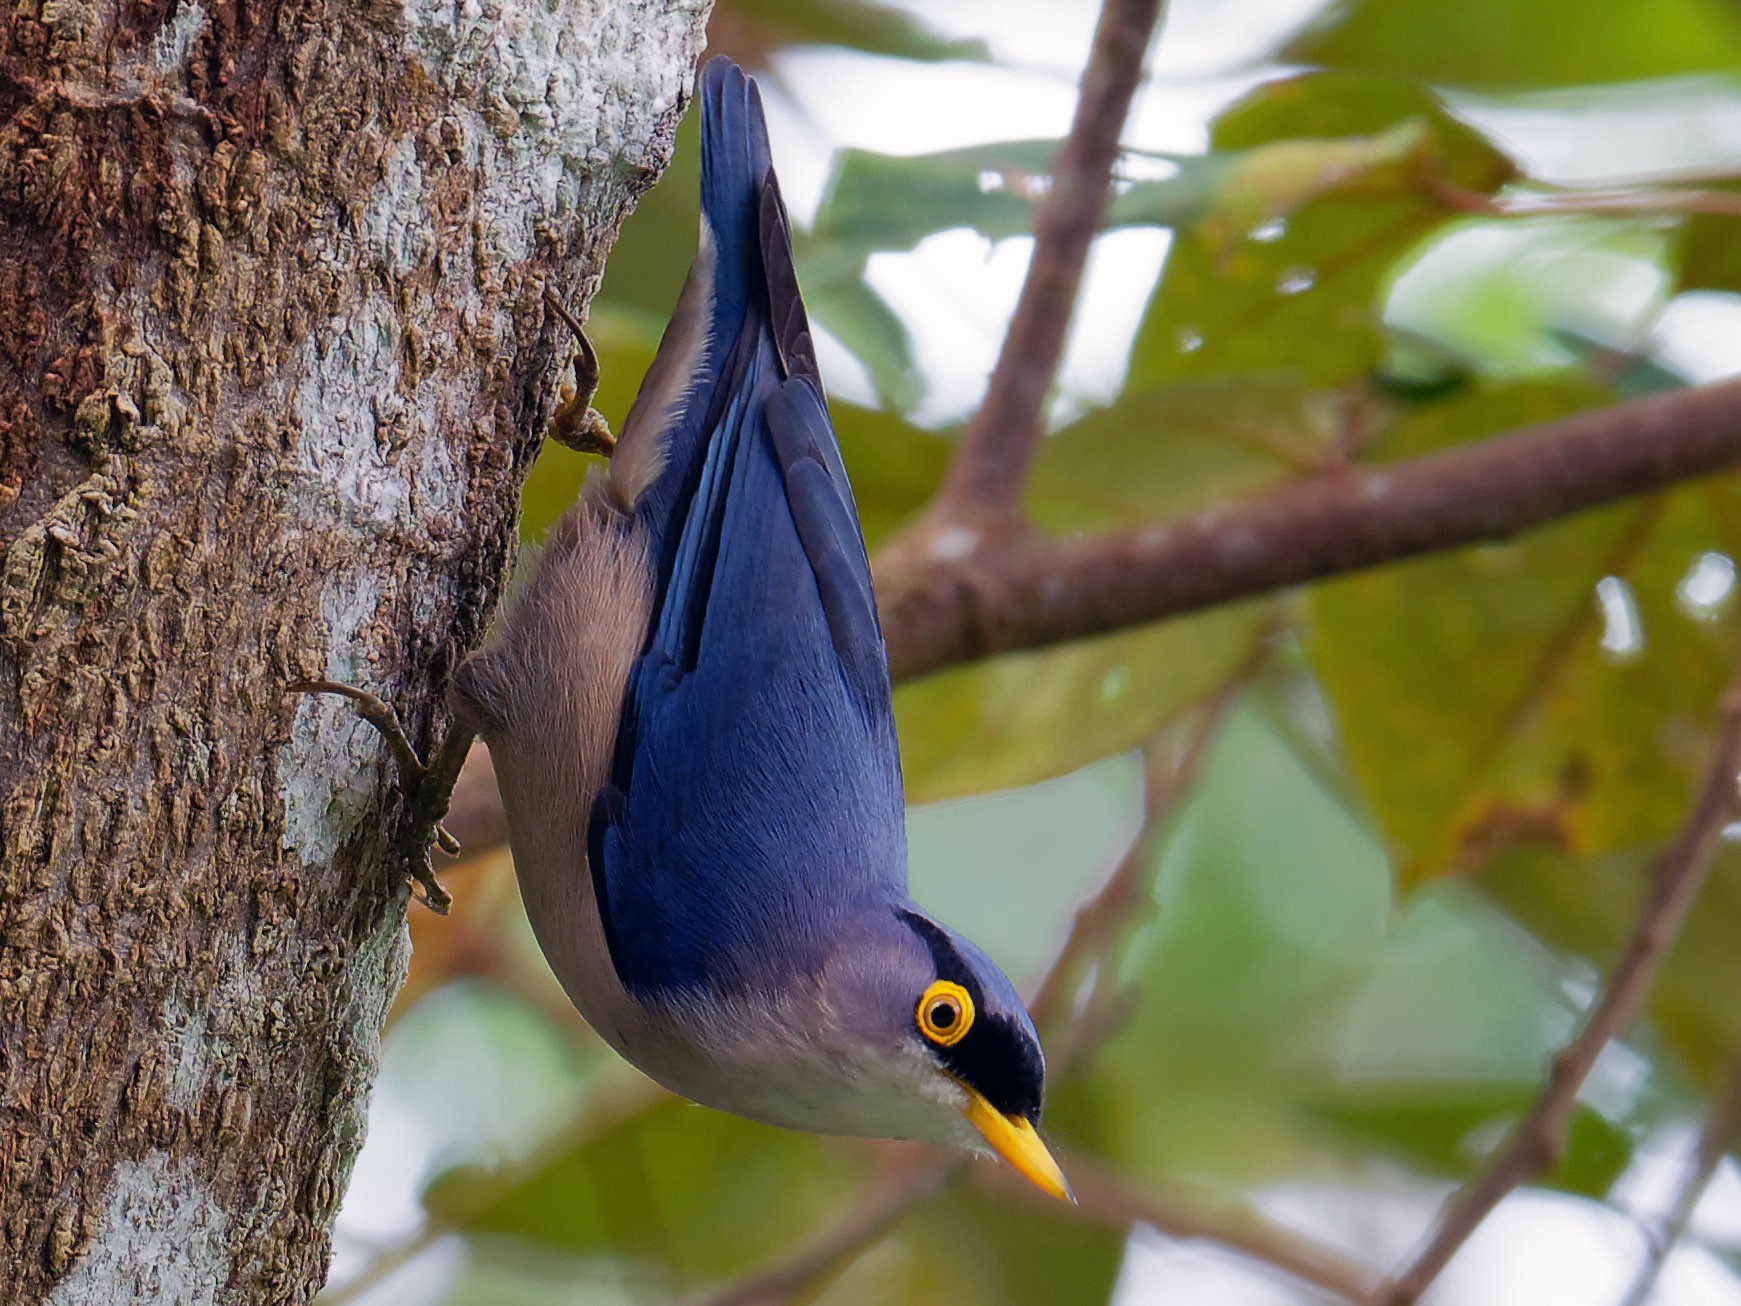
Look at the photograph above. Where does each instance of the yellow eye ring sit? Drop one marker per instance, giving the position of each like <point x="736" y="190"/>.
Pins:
<point x="945" y="1013"/>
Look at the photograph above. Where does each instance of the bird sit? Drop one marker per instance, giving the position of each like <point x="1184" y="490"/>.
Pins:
<point x="687" y="704"/>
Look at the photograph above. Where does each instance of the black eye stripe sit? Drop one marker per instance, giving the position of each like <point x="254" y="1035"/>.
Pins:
<point x="994" y="1056"/>
<point x="997" y="1061"/>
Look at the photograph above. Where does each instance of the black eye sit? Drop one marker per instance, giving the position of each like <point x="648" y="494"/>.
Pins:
<point x="945" y="1013"/>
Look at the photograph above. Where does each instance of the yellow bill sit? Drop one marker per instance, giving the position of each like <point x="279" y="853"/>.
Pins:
<point x="1015" y="1140"/>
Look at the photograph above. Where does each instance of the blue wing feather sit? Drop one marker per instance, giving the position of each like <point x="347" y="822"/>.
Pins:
<point x="827" y="522"/>
<point x="755" y="795"/>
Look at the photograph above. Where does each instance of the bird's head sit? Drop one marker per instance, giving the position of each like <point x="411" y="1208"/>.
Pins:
<point x="975" y="1033"/>
<point x="932" y="1044"/>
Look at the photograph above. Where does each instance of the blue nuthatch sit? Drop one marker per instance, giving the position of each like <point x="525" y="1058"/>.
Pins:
<point x="687" y="705"/>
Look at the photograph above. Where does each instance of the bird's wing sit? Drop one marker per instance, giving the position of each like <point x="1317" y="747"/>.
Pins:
<point x="755" y="794"/>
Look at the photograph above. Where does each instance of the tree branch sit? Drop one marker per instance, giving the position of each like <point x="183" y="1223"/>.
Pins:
<point x="1721" y="1128"/>
<point x="1539" y="1140"/>
<point x="985" y="477"/>
<point x="1624" y="199"/>
<point x="939" y="608"/>
<point x="1102" y="1196"/>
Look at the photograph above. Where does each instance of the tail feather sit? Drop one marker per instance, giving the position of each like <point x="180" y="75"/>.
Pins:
<point x="787" y="318"/>
<point x="735" y="161"/>
<point x="743" y="285"/>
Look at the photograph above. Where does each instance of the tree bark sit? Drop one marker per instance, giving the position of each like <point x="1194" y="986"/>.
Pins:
<point x="273" y="363"/>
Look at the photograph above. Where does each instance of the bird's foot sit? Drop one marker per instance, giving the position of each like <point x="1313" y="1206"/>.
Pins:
<point x="428" y="786"/>
<point x="576" y="423"/>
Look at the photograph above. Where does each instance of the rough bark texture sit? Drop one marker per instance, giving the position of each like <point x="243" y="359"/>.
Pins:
<point x="272" y="364"/>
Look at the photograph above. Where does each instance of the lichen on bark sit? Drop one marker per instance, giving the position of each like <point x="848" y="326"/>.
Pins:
<point x="273" y="363"/>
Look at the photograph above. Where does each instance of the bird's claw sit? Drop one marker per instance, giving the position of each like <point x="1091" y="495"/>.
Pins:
<point x="426" y="888"/>
<point x="576" y="423"/>
<point x="428" y="786"/>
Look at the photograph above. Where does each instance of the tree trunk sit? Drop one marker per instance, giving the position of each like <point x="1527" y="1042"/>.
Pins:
<point x="273" y="363"/>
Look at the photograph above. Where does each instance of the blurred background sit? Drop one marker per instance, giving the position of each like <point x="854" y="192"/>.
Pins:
<point x="1385" y="832"/>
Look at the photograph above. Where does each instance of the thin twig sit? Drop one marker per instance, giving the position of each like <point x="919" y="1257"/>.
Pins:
<point x="1101" y="915"/>
<point x="384" y="1263"/>
<point x="1537" y="1143"/>
<point x="1721" y="1128"/>
<point x="840" y="1246"/>
<point x="1534" y="203"/>
<point x="1105" y="1198"/>
<point x="990" y="466"/>
<point x="940" y="608"/>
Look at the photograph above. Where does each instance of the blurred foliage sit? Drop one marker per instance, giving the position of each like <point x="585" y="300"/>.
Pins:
<point x="1576" y="734"/>
<point x="1299" y="293"/>
<point x="1506" y="45"/>
<point x="1415" y="841"/>
<point x="752" y="30"/>
<point x="1710" y="254"/>
<point x="694" y="1193"/>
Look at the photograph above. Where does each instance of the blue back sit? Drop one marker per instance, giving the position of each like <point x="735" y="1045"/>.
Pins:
<point x="755" y="797"/>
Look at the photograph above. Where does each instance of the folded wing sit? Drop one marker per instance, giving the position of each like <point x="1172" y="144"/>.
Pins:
<point x="755" y="793"/>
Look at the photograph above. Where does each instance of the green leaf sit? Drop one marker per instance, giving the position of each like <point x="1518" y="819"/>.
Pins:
<point x="1508" y="45"/>
<point x="1709" y="253"/>
<point x="969" y="1249"/>
<point x="1230" y="194"/>
<point x="1445" y="1044"/>
<point x="887" y="202"/>
<point x="884" y="201"/>
<point x="877" y="338"/>
<point x="1477" y="701"/>
<point x="854" y="24"/>
<point x="1482" y="410"/>
<point x="1457" y="997"/>
<point x="1283" y="1018"/>
<point x="1302" y="295"/>
<point x="1026" y="717"/>
<point x="1590" y="907"/>
<point x="1446" y="1129"/>
<point x="696" y="1194"/>
<point x="1272" y="903"/>
<point x="1178" y="449"/>
<point x="1527" y="296"/>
